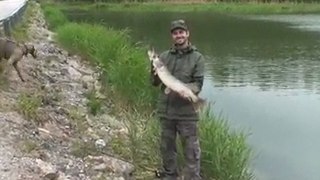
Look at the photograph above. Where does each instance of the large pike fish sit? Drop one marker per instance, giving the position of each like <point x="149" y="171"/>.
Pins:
<point x="172" y="83"/>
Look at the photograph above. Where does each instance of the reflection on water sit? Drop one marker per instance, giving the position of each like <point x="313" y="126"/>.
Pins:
<point x="272" y="74"/>
<point x="263" y="73"/>
<point x="306" y="22"/>
<point x="269" y="55"/>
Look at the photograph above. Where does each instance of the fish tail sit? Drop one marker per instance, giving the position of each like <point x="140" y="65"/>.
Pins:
<point x="199" y="104"/>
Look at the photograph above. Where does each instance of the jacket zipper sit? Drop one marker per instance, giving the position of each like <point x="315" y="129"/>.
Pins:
<point x="173" y="70"/>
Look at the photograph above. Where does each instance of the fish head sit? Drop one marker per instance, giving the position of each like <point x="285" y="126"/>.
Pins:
<point x="154" y="58"/>
<point x="152" y="54"/>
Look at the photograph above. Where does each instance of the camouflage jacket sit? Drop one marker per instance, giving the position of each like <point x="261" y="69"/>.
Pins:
<point x="187" y="65"/>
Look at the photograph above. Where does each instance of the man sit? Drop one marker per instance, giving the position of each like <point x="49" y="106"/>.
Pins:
<point x="177" y="115"/>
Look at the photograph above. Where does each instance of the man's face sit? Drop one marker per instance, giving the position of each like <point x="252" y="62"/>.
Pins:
<point x="180" y="36"/>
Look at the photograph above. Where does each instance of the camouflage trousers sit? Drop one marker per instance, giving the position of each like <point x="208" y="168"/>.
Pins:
<point x="187" y="131"/>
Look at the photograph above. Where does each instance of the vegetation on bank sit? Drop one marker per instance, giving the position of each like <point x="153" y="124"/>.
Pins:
<point x="19" y="32"/>
<point x="225" y="154"/>
<point x="233" y="7"/>
<point x="56" y="17"/>
<point x="125" y="64"/>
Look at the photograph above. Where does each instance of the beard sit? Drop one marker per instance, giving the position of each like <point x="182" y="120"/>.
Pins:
<point x="180" y="41"/>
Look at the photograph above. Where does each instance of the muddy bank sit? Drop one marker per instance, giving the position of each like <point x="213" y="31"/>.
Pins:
<point x="47" y="128"/>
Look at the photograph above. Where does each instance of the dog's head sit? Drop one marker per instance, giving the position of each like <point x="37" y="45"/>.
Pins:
<point x="31" y="50"/>
<point x="28" y="48"/>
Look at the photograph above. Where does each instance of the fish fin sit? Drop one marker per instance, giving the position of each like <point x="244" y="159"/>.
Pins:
<point x="199" y="104"/>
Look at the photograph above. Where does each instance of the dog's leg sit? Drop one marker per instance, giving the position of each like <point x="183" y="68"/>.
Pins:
<point x="15" y="65"/>
<point x="9" y="65"/>
<point x="6" y="69"/>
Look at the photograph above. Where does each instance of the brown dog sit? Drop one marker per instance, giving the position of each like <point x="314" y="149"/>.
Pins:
<point x="14" y="52"/>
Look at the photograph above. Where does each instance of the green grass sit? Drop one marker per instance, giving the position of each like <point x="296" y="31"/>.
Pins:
<point x="78" y="122"/>
<point x="225" y="154"/>
<point x="125" y="63"/>
<point x="94" y="104"/>
<point x="28" y="105"/>
<point x="141" y="147"/>
<point x="82" y="149"/>
<point x="54" y="16"/>
<point x="19" y="32"/>
<point x="221" y="7"/>
<point x="28" y="145"/>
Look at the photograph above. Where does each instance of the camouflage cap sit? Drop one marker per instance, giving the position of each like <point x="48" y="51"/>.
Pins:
<point x="181" y="24"/>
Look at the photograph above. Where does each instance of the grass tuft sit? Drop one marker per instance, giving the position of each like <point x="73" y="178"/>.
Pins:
<point x="28" y="145"/>
<point x="28" y="105"/>
<point x="81" y="149"/>
<point x="94" y="104"/>
<point x="225" y="154"/>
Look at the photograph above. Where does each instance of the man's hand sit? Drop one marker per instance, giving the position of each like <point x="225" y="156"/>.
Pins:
<point x="154" y="71"/>
<point x="155" y="80"/>
<point x="167" y="90"/>
<point x="193" y="86"/>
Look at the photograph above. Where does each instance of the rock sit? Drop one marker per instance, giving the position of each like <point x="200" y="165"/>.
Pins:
<point x="64" y="72"/>
<point x="111" y="164"/>
<point x="87" y="81"/>
<point x="48" y="171"/>
<point x="51" y="50"/>
<point x="52" y="130"/>
<point x="74" y="64"/>
<point x="100" y="167"/>
<point x="51" y="176"/>
<point x="74" y="74"/>
<point x="100" y="144"/>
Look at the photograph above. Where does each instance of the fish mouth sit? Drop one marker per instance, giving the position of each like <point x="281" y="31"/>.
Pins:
<point x="151" y="54"/>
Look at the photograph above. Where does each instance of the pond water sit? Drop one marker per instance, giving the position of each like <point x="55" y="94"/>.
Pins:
<point x="263" y="74"/>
